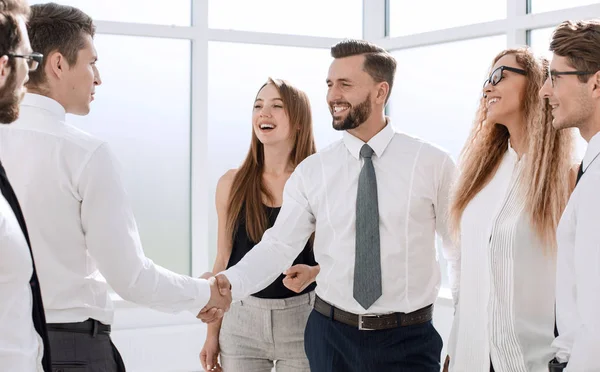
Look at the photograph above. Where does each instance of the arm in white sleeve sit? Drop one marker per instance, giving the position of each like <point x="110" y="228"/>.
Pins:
<point x="586" y="341"/>
<point x="113" y="241"/>
<point x="280" y="245"/>
<point x="450" y="250"/>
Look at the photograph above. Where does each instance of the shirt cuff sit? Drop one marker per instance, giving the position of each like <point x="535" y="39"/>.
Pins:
<point x="202" y="295"/>
<point x="235" y="280"/>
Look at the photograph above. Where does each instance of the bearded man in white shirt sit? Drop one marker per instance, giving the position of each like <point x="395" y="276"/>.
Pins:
<point x="573" y="91"/>
<point x="23" y="335"/>
<point x="374" y="200"/>
<point x="82" y="228"/>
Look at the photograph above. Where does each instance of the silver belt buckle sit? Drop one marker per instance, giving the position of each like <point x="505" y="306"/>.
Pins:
<point x="360" y="323"/>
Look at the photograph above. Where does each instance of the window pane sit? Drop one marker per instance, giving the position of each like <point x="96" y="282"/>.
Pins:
<point x="144" y="114"/>
<point x="539" y="6"/>
<point x="333" y="18"/>
<point x="232" y="86"/>
<point x="413" y="17"/>
<point x="437" y="101"/>
<point x="539" y="41"/>
<point x="177" y="12"/>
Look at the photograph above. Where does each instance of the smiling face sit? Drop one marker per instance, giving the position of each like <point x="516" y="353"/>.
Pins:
<point x="350" y="92"/>
<point x="504" y="100"/>
<point x="571" y="100"/>
<point x="270" y="121"/>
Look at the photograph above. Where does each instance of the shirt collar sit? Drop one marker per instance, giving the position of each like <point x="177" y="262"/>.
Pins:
<point x="378" y="143"/>
<point x="593" y="149"/>
<point x="44" y="103"/>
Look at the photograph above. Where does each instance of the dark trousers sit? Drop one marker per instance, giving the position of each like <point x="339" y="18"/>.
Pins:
<point x="332" y="346"/>
<point x="77" y="351"/>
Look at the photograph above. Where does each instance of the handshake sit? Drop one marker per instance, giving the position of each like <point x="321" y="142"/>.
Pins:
<point x="220" y="298"/>
<point x="296" y="279"/>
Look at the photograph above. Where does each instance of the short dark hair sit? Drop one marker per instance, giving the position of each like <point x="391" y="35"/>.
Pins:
<point x="53" y="27"/>
<point x="379" y="64"/>
<point x="579" y="42"/>
<point x="10" y="36"/>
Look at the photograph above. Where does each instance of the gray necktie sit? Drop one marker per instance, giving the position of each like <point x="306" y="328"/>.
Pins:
<point x="367" y="266"/>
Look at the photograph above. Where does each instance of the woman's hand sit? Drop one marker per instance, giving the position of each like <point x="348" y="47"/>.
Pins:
<point x="209" y="356"/>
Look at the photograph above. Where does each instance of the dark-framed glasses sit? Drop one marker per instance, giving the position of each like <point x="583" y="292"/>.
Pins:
<point x="498" y="74"/>
<point x="552" y="74"/>
<point x="33" y="60"/>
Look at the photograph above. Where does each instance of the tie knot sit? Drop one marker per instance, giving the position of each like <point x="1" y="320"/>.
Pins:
<point x="366" y="151"/>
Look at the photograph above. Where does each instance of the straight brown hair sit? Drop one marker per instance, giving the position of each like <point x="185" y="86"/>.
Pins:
<point x="248" y="191"/>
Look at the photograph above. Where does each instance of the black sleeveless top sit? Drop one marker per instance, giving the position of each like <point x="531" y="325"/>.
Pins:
<point x="242" y="245"/>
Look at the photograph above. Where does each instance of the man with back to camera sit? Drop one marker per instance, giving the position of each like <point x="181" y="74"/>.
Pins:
<point x="82" y="228"/>
<point x="375" y="200"/>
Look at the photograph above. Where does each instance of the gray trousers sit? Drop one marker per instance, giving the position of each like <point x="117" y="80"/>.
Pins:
<point x="83" y="352"/>
<point x="258" y="334"/>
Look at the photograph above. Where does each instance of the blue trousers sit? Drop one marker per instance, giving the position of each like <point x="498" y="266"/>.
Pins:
<point x="332" y="346"/>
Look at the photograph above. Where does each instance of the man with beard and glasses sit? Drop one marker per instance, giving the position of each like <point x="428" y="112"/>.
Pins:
<point x="82" y="228"/>
<point x="573" y="92"/>
<point x="23" y="338"/>
<point x="375" y="200"/>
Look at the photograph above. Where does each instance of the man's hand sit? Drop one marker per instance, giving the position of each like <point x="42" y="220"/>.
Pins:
<point x="220" y="299"/>
<point x="298" y="277"/>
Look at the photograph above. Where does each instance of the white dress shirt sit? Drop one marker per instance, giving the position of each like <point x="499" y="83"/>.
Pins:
<point x="21" y="348"/>
<point x="578" y="270"/>
<point x="82" y="229"/>
<point x="506" y="307"/>
<point x="413" y="179"/>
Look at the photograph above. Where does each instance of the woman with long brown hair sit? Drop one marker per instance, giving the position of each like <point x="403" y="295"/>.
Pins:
<point x="513" y="186"/>
<point x="269" y="325"/>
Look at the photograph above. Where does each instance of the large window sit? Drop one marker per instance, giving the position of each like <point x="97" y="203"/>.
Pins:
<point x="333" y="18"/>
<point x="173" y="12"/>
<point x="234" y="79"/>
<point x="144" y="114"/>
<point x="538" y="6"/>
<point x="413" y="17"/>
<point x="437" y="93"/>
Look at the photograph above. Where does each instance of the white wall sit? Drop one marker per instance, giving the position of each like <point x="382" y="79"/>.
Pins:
<point x="150" y="341"/>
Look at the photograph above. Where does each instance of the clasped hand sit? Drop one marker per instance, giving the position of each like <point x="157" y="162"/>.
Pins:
<point x="220" y="298"/>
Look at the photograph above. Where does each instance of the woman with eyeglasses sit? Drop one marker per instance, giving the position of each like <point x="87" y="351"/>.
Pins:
<point x="266" y="329"/>
<point x="516" y="174"/>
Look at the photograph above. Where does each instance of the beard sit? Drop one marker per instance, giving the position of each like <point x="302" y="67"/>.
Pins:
<point x="10" y="98"/>
<point x="356" y="115"/>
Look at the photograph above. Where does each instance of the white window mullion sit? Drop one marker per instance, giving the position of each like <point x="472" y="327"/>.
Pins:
<point x="200" y="203"/>
<point x="516" y="36"/>
<point x="374" y="19"/>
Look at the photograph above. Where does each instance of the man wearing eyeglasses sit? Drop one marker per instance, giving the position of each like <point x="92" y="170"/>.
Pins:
<point x="82" y="228"/>
<point x="23" y="337"/>
<point x="573" y="91"/>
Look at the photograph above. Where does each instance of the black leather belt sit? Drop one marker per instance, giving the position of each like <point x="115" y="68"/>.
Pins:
<point x="374" y="322"/>
<point x="90" y="326"/>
